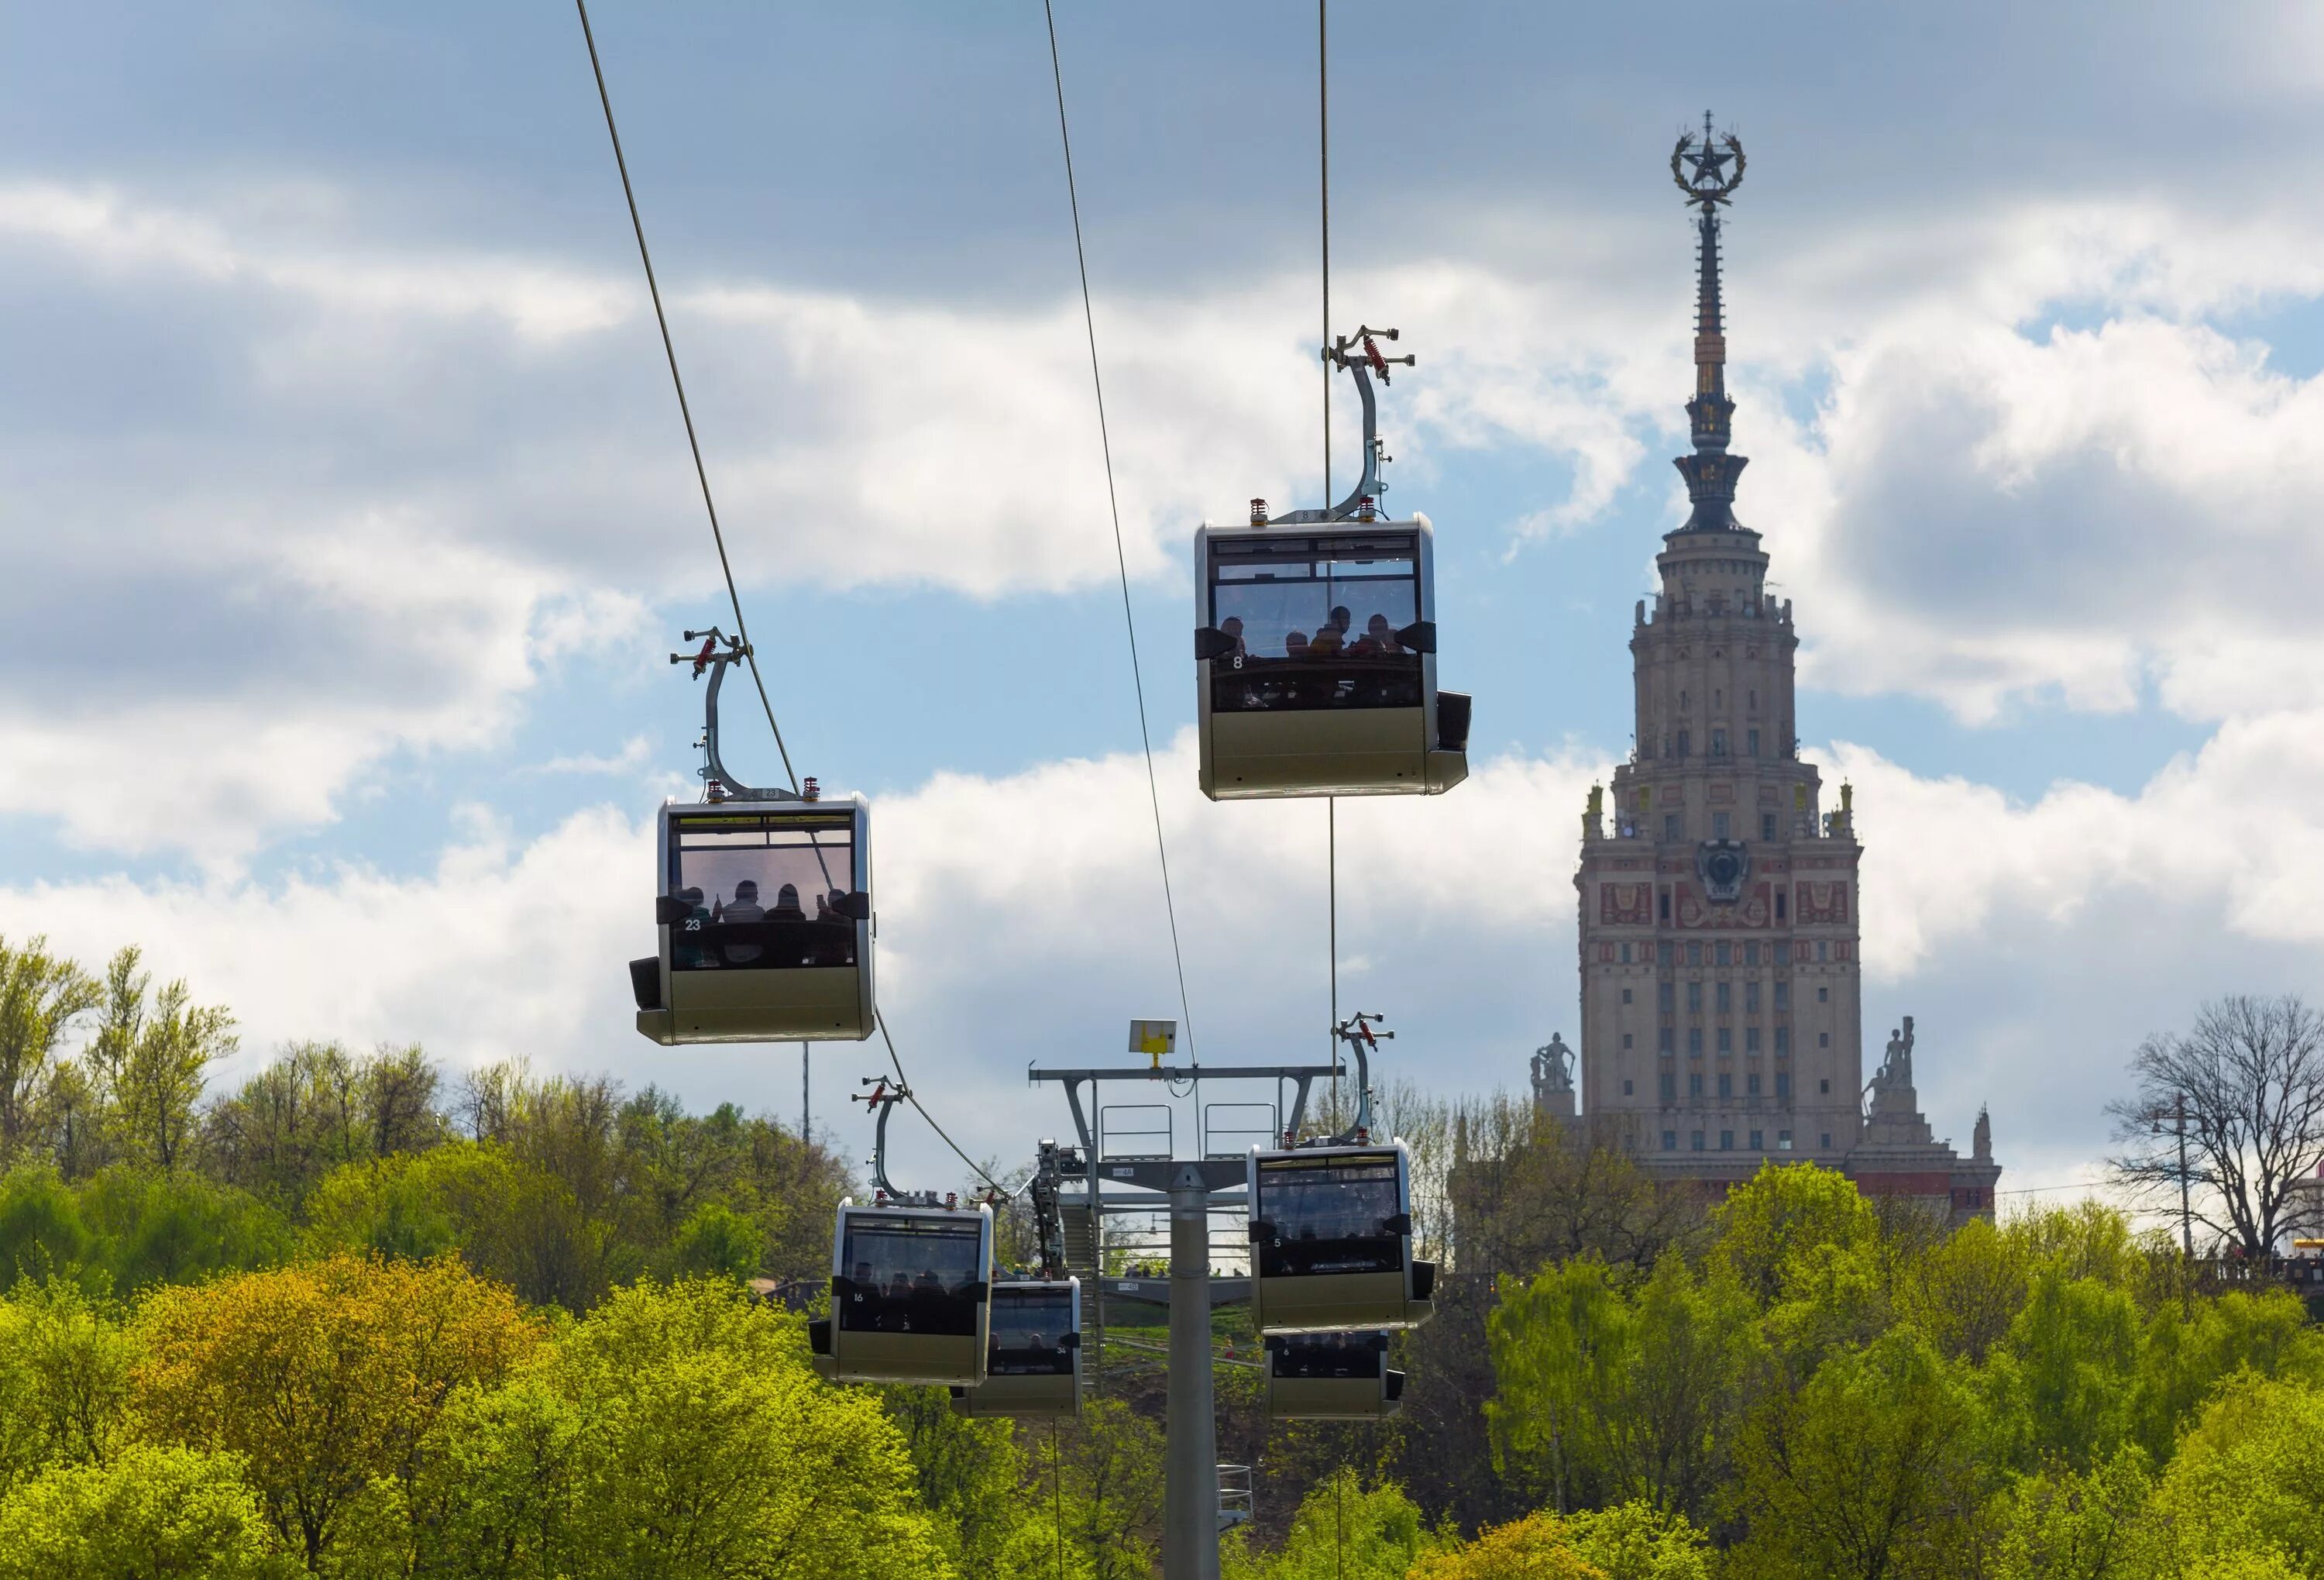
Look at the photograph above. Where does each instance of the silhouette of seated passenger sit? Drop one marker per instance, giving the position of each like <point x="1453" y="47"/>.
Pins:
<point x="1378" y="640"/>
<point x="687" y="954"/>
<point x="743" y="908"/>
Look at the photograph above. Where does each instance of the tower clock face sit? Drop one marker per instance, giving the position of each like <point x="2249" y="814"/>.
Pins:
<point x="1723" y="865"/>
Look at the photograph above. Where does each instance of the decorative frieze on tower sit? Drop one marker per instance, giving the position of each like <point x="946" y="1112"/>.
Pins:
<point x="1721" y="989"/>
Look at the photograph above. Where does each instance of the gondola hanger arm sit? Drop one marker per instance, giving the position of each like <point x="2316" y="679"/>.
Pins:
<point x="1360" y="355"/>
<point x="717" y="651"/>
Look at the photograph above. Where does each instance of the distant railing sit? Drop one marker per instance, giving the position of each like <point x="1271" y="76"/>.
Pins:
<point x="1234" y="1496"/>
<point x="2302" y="1271"/>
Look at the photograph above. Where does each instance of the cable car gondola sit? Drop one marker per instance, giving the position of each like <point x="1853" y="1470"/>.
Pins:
<point x="1033" y="1365"/>
<point x="1315" y="645"/>
<point x="910" y="1287"/>
<point x="911" y="1279"/>
<point x="764" y="909"/>
<point x="1330" y="1230"/>
<point x="1330" y="1377"/>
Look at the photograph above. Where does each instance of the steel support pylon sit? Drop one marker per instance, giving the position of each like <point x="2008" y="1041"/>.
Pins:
<point x="1190" y="1503"/>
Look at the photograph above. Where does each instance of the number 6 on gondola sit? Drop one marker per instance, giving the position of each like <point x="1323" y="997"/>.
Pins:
<point x="910" y="1294"/>
<point x="1331" y="1240"/>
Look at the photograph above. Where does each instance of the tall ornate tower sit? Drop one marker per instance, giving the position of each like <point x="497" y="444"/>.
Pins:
<point x="1721" y="995"/>
<point x="1721" y="1018"/>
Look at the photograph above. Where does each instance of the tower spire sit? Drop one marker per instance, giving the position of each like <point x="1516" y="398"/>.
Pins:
<point x="1699" y="165"/>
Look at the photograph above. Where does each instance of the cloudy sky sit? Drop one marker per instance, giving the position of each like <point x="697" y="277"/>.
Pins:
<point x="348" y="515"/>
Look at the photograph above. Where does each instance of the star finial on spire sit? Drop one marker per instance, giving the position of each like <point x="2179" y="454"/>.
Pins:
<point x="1711" y="472"/>
<point x="1708" y="155"/>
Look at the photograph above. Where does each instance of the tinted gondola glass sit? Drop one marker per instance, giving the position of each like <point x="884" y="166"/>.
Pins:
<point x="1330" y="1376"/>
<point x="1331" y="1240"/>
<point x="765" y="921"/>
<point x="909" y="1295"/>
<point x="1314" y="622"/>
<point x="1033" y="1362"/>
<point x="1315" y="655"/>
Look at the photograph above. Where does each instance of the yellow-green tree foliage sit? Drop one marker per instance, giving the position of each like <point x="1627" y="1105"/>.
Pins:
<point x="2248" y="1481"/>
<point x="1107" y="1467"/>
<point x="2068" y="1525"/>
<point x="325" y="1377"/>
<point x="1536" y="1548"/>
<point x="150" y="1514"/>
<point x="1638" y="1541"/>
<point x="1607" y="1394"/>
<point x="1343" y="1531"/>
<point x="41" y="996"/>
<point x="64" y="1378"/>
<point x="1869" y="1469"/>
<point x="675" y="1433"/>
<point x="993" y="1517"/>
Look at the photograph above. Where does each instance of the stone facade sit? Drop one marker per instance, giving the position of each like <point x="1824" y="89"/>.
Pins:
<point x="1720" y="958"/>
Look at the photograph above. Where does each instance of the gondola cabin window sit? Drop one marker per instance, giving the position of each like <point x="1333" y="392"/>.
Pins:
<point x="759" y="891"/>
<point x="1029" y="1330"/>
<point x="1315" y="622"/>
<point x="908" y="1273"/>
<point x="1329" y="1355"/>
<point x="1329" y="1214"/>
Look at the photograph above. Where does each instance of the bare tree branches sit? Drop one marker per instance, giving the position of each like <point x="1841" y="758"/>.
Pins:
<point x="2251" y="1073"/>
<point x="41" y="995"/>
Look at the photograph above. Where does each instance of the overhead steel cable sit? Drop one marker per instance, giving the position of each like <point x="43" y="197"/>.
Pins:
<point x="718" y="535"/>
<point x="1331" y="803"/>
<point x="1113" y="504"/>
<point x="670" y="350"/>
<point x="911" y="1097"/>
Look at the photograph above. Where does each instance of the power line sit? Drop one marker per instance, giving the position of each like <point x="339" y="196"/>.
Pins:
<point x="1121" y="560"/>
<point x="718" y="536"/>
<point x="670" y="350"/>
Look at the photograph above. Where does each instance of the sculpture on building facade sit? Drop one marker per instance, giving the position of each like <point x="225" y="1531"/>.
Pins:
<point x="1895" y="1071"/>
<point x="1553" y="1068"/>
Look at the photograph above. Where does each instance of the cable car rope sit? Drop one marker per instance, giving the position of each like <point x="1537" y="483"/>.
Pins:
<point x="1331" y="803"/>
<point x="909" y="1097"/>
<point x="1113" y="504"/>
<point x="718" y="536"/>
<point x="670" y="350"/>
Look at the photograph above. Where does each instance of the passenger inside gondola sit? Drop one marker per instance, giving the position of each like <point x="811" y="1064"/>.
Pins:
<point x="1283" y="617"/>
<point x="913" y="1275"/>
<point x="687" y="952"/>
<point x="1322" y="1219"/>
<point x="738" y="858"/>
<point x="1027" y="1327"/>
<point x="1329" y="1355"/>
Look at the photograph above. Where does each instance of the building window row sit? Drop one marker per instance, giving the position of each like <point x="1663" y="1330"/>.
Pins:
<point x="1666" y="1040"/>
<point x="1695" y="1140"/>
<point x="1750" y="952"/>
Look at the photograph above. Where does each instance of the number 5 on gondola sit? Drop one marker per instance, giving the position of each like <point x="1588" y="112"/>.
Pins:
<point x="1331" y="1240"/>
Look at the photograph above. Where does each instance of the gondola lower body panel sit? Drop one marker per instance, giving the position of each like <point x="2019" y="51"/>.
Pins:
<point x="1334" y="1302"/>
<point x="907" y="1357"/>
<point x="1354" y="751"/>
<point x="1019" y="1398"/>
<point x="1335" y="1399"/>
<point x="802" y="1004"/>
